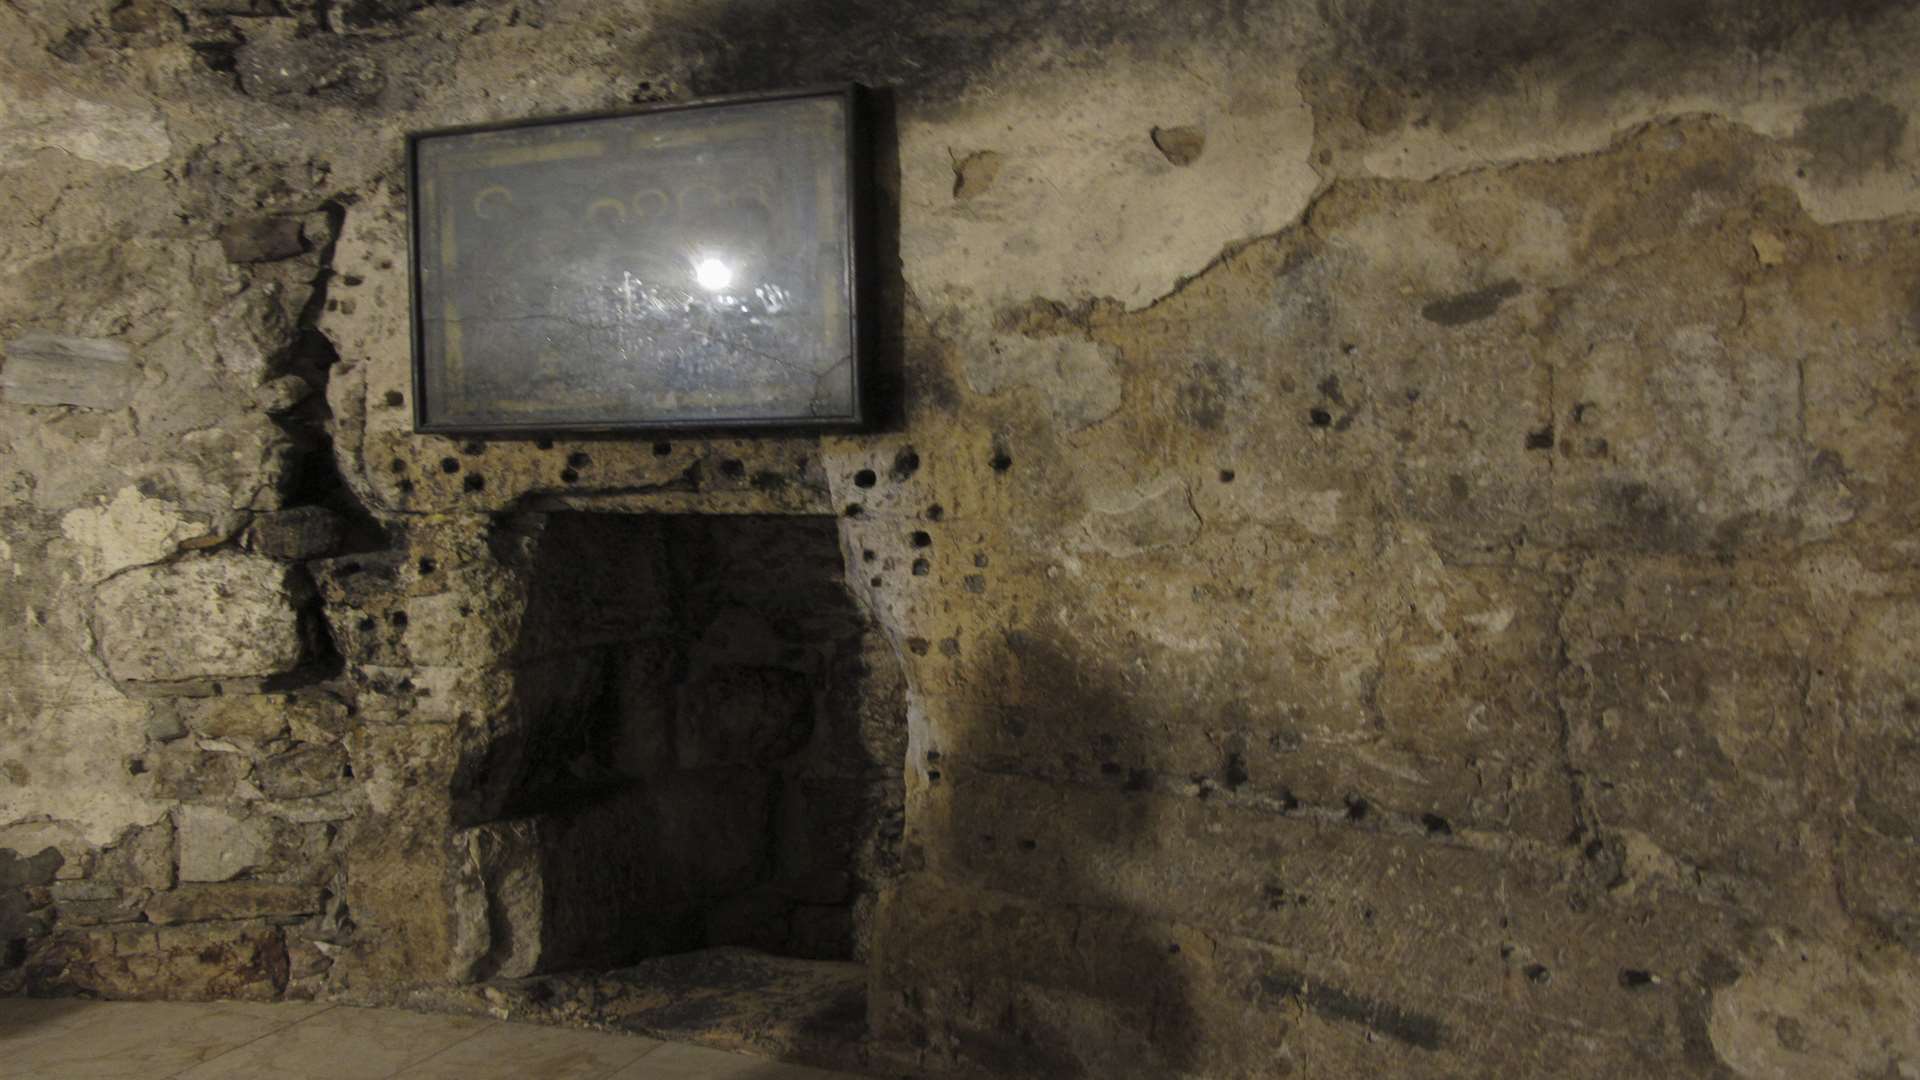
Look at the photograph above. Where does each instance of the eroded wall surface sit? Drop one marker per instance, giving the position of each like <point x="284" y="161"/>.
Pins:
<point x="1399" y="521"/>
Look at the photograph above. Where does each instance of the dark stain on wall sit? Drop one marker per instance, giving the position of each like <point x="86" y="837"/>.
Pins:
<point x="1474" y="48"/>
<point x="1384" y="1017"/>
<point x="932" y="56"/>
<point x="1471" y="306"/>
<point x="1852" y="136"/>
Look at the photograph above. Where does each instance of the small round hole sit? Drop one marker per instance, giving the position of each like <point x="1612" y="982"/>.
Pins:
<point x="449" y="465"/>
<point x="922" y="539"/>
<point x="865" y="478"/>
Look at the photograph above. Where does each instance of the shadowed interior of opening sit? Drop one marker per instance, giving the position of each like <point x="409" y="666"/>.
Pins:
<point x="703" y="749"/>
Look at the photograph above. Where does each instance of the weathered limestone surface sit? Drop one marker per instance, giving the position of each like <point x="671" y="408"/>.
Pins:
<point x="1397" y="518"/>
<point x="46" y="369"/>
<point x="222" y="616"/>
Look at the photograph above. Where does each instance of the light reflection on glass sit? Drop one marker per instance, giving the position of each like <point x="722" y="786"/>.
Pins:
<point x="713" y="274"/>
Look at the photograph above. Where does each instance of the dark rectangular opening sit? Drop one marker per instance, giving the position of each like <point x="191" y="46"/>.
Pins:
<point x="703" y="750"/>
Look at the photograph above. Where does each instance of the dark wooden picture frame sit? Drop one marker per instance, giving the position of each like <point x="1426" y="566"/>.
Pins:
<point x="695" y="266"/>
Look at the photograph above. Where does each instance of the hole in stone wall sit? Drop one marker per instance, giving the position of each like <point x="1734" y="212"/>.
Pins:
<point x="703" y="756"/>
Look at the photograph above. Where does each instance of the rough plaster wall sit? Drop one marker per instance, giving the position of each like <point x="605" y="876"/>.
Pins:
<point x="1422" y="580"/>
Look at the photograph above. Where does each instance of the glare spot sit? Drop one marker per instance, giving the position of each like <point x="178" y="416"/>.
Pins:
<point x="712" y="274"/>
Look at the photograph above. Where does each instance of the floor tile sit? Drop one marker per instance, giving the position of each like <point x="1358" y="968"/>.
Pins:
<point x="282" y="1012"/>
<point x="678" y="1061"/>
<point x="343" y="1044"/>
<point x="18" y="1013"/>
<point x="525" y="1051"/>
<point x="26" y="1013"/>
<point x="127" y="1041"/>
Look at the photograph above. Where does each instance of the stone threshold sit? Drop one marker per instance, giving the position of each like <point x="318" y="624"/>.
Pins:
<point x="810" y="1012"/>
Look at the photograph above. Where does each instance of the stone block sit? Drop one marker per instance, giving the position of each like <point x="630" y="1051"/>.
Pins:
<point x="50" y="369"/>
<point x="105" y="912"/>
<point x="215" y="960"/>
<point x="165" y="723"/>
<point x="262" y="239"/>
<point x="141" y="859"/>
<point x="303" y="773"/>
<point x="364" y="599"/>
<point x="500" y="900"/>
<point x="310" y="69"/>
<point x="317" y="718"/>
<point x="182" y="770"/>
<point x="223" y="616"/>
<point x="281" y="395"/>
<point x="233" y="900"/>
<point x="307" y="960"/>
<point x="144" y="17"/>
<point x="253" y="333"/>
<point x="217" y="844"/>
<point x="80" y="890"/>
<point x="308" y="717"/>
<point x="237" y="716"/>
<point x="306" y="532"/>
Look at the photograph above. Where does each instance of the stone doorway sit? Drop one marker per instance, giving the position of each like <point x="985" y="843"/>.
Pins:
<point x="701" y="760"/>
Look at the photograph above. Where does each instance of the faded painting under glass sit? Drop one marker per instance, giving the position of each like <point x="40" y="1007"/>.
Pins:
<point x="689" y="267"/>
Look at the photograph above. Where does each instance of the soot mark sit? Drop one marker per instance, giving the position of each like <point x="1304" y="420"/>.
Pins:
<point x="1445" y="47"/>
<point x="937" y="54"/>
<point x="1852" y="136"/>
<point x="1472" y="306"/>
<point x="1394" y="1021"/>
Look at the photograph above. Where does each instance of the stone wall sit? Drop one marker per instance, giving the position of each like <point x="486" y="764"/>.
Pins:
<point x="1397" y="521"/>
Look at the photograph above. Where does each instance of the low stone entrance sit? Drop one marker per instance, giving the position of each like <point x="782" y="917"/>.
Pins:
<point x="702" y="750"/>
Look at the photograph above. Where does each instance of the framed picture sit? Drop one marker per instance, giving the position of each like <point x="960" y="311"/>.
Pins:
<point x="689" y="266"/>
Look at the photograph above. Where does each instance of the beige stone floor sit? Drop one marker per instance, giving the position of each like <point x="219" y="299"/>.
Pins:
<point x="91" y="1040"/>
